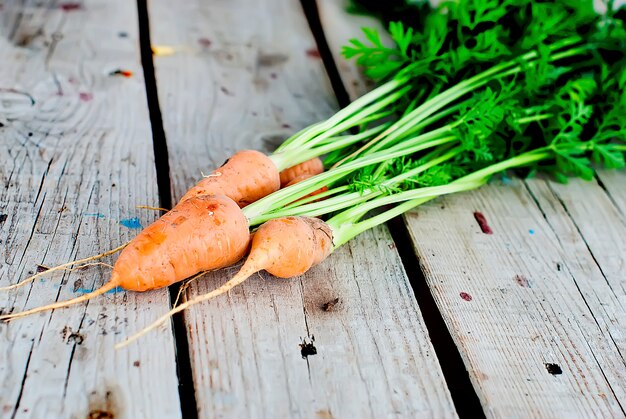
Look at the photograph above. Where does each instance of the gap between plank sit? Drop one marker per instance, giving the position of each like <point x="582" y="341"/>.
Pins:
<point x="455" y="374"/>
<point x="464" y="396"/>
<point x="186" y="390"/>
<point x="315" y="24"/>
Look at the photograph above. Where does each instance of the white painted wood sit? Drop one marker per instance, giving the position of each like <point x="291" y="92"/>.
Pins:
<point x="339" y="28"/>
<point x="529" y="304"/>
<point x="593" y="231"/>
<point x="613" y="183"/>
<point x="76" y="158"/>
<point x="246" y="74"/>
<point x="535" y="298"/>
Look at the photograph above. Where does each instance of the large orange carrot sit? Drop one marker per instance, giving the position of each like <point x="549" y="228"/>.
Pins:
<point x="309" y="168"/>
<point x="199" y="234"/>
<point x="285" y="247"/>
<point x="246" y="177"/>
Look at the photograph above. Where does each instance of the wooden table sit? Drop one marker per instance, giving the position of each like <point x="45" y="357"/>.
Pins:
<point x="426" y="317"/>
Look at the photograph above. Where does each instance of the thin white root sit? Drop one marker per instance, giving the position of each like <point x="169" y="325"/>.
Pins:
<point x="61" y="267"/>
<point x="86" y="265"/>
<point x="106" y="287"/>
<point x="186" y="285"/>
<point x="241" y="276"/>
<point x="148" y="207"/>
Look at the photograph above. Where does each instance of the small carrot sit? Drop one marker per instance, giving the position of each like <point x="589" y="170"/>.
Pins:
<point x="310" y="168"/>
<point x="284" y="247"/>
<point x="200" y="234"/>
<point x="304" y="177"/>
<point x="246" y="177"/>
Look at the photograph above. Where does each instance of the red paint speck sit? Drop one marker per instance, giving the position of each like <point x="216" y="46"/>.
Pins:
<point x="482" y="222"/>
<point x="313" y="52"/>
<point x="119" y="72"/>
<point x="70" y="7"/>
<point x="205" y="42"/>
<point x="466" y="296"/>
<point x="286" y="126"/>
<point x="85" y="96"/>
<point x="522" y="281"/>
<point x="41" y="268"/>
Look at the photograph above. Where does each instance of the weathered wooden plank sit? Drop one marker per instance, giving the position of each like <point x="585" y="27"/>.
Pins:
<point x="587" y="223"/>
<point x="76" y="159"/>
<point x="339" y="28"/>
<point x="517" y="302"/>
<point x="247" y="74"/>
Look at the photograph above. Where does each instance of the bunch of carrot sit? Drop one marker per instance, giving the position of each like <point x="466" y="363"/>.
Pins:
<point x="209" y="229"/>
<point x="414" y="138"/>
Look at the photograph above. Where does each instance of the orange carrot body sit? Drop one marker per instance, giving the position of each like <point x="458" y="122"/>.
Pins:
<point x="289" y="246"/>
<point x="246" y="177"/>
<point x="202" y="233"/>
<point x="304" y="177"/>
<point x="285" y="247"/>
<point x="310" y="167"/>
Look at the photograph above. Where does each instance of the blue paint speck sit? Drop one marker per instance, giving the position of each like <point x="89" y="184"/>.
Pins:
<point x="86" y="291"/>
<point x="94" y="214"/>
<point x="531" y="231"/>
<point x="506" y="180"/>
<point x="131" y="222"/>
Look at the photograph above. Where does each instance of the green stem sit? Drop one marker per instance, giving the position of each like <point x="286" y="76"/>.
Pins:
<point x="346" y="117"/>
<point x="288" y="158"/>
<point x="343" y="201"/>
<point x="346" y="224"/>
<point x="534" y="118"/>
<point x="287" y="195"/>
<point x="415" y="130"/>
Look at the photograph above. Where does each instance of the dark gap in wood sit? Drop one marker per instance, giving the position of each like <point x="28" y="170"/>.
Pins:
<point x="19" y="396"/>
<point x="573" y="220"/>
<point x="463" y="394"/>
<point x="608" y="193"/>
<point x="159" y="142"/>
<point x="312" y="16"/>
<point x="186" y="390"/>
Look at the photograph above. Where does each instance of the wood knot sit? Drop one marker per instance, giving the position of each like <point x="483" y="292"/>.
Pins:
<point x="330" y="305"/>
<point x="100" y="414"/>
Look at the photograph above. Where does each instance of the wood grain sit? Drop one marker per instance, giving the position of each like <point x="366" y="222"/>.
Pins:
<point x="516" y="304"/>
<point x="531" y="296"/>
<point x="612" y="182"/>
<point x="76" y="159"/>
<point x="247" y="74"/>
